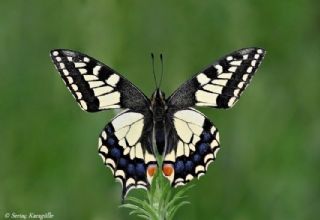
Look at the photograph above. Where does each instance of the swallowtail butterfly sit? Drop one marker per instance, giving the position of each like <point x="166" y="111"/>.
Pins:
<point x="187" y="139"/>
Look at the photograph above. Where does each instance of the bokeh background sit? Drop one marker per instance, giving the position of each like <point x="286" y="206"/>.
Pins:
<point x="268" y="167"/>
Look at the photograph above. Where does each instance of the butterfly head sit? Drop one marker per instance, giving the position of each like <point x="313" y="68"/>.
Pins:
<point x="158" y="97"/>
<point x="158" y="103"/>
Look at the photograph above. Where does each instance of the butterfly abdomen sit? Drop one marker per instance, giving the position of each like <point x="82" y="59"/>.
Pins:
<point x="160" y="136"/>
<point x="158" y="106"/>
<point x="159" y="127"/>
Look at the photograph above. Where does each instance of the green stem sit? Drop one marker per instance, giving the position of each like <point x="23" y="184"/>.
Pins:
<point x="161" y="202"/>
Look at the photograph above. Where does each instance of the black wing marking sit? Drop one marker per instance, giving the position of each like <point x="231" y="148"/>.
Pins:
<point x="125" y="146"/>
<point x="193" y="143"/>
<point x="222" y="83"/>
<point x="94" y="85"/>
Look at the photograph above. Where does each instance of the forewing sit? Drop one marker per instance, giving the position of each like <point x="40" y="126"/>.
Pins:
<point x="221" y="84"/>
<point x="193" y="143"/>
<point x="125" y="146"/>
<point x="94" y="85"/>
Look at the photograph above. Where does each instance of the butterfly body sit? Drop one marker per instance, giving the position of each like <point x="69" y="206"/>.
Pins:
<point x="159" y="107"/>
<point x="187" y="140"/>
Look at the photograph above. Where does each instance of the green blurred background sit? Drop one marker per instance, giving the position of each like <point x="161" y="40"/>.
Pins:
<point x="268" y="167"/>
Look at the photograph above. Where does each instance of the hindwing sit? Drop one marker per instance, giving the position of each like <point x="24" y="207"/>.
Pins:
<point x="125" y="146"/>
<point x="193" y="143"/>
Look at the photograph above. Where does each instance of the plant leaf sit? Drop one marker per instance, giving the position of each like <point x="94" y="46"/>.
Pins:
<point x="135" y="200"/>
<point x="151" y="210"/>
<point x="175" y="208"/>
<point x="135" y="208"/>
<point x="144" y="216"/>
<point x="178" y="196"/>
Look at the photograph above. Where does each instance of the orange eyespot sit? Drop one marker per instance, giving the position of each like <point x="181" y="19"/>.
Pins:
<point x="152" y="169"/>
<point x="167" y="169"/>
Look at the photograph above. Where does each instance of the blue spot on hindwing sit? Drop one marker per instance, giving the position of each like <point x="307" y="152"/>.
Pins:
<point x="122" y="163"/>
<point x="196" y="158"/>
<point x="110" y="141"/>
<point x="206" y="136"/>
<point x="203" y="148"/>
<point x="179" y="167"/>
<point x="115" y="153"/>
<point x="189" y="166"/>
<point x="109" y="129"/>
<point x="130" y="169"/>
<point x="140" y="170"/>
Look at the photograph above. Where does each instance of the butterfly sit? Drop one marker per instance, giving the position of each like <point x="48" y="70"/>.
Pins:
<point x="171" y="127"/>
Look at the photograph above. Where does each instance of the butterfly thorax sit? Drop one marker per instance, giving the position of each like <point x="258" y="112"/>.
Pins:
<point x="158" y="105"/>
<point x="158" y="108"/>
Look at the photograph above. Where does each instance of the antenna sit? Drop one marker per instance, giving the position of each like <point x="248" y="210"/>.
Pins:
<point x="154" y="75"/>
<point x="161" y="59"/>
